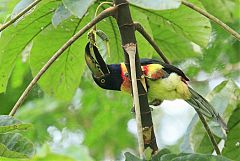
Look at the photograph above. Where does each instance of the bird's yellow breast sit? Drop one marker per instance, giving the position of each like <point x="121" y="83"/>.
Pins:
<point x="169" y="88"/>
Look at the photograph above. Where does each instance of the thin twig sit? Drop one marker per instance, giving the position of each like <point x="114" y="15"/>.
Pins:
<point x="212" y="18"/>
<point x="209" y="132"/>
<point x="142" y="31"/>
<point x="131" y="50"/>
<point x="106" y="13"/>
<point x="4" y="26"/>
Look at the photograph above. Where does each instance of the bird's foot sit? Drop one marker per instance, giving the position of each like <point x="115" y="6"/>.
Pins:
<point x="133" y="110"/>
<point x="155" y="102"/>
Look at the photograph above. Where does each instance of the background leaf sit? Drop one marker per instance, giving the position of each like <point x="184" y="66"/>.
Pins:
<point x="78" y="7"/>
<point x="14" y="145"/>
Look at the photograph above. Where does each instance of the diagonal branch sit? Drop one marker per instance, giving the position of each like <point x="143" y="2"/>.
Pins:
<point x="212" y="18"/>
<point x="142" y="31"/>
<point x="209" y="132"/>
<point x="106" y="13"/>
<point x="4" y="26"/>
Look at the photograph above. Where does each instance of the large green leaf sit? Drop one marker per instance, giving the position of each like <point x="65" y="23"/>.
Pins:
<point x="78" y="7"/>
<point x="8" y="123"/>
<point x="175" y="47"/>
<point x="232" y="145"/>
<point x="14" y="40"/>
<point x="14" y="145"/>
<point x="183" y="21"/>
<point x="63" y="77"/>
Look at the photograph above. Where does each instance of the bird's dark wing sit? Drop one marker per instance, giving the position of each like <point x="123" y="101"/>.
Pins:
<point x="167" y="67"/>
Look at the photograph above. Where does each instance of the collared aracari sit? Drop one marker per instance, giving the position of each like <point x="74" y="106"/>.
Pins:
<point x="164" y="82"/>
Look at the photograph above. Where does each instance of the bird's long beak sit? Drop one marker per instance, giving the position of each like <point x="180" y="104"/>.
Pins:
<point x="97" y="66"/>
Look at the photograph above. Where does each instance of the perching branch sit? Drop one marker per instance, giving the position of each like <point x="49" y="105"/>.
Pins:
<point x="209" y="132"/>
<point x="106" y="13"/>
<point x="127" y="31"/>
<point x="212" y="18"/>
<point x="4" y="26"/>
<point x="141" y="30"/>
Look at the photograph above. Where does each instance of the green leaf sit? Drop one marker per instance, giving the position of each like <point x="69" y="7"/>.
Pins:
<point x="63" y="77"/>
<point x="78" y="7"/>
<point x="160" y="154"/>
<point x="182" y="21"/>
<point x="232" y="145"/>
<point x="60" y="15"/>
<point x="8" y="123"/>
<point x="14" y="145"/>
<point x="156" y="5"/>
<point x="175" y="47"/>
<point x="131" y="157"/>
<point x="14" y="40"/>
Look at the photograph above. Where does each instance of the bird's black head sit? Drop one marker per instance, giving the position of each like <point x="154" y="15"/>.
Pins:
<point x="111" y="81"/>
<point x="105" y="76"/>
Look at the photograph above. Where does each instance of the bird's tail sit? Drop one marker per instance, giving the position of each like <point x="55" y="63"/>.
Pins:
<point x="201" y="104"/>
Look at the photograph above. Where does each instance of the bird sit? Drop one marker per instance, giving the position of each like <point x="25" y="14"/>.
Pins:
<point x="163" y="82"/>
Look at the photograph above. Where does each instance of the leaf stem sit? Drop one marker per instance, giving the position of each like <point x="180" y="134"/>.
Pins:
<point x="7" y="24"/>
<point x="106" y="13"/>
<point x="143" y="32"/>
<point x="212" y="18"/>
<point x="210" y="134"/>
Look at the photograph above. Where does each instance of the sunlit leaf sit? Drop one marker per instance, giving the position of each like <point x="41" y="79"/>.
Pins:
<point x="63" y="77"/>
<point x="14" y="40"/>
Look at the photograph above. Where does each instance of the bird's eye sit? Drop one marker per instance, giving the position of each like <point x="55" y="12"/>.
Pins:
<point x="102" y="80"/>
